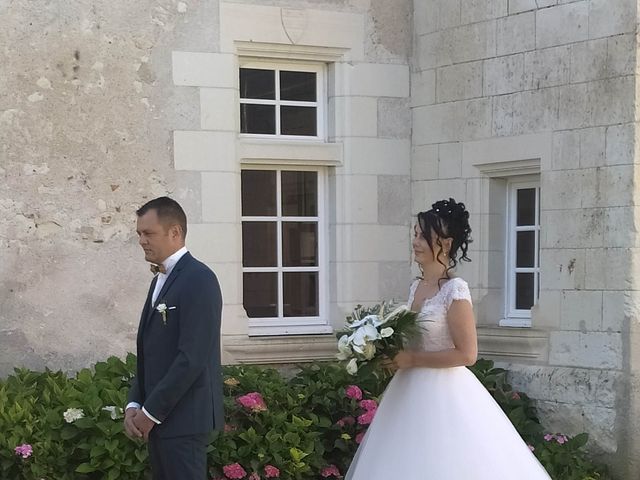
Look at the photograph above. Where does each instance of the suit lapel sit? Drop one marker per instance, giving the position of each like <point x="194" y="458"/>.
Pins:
<point x="147" y="304"/>
<point x="175" y="272"/>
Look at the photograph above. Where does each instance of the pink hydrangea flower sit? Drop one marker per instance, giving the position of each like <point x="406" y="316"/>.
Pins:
<point x="271" y="472"/>
<point x="354" y="392"/>
<point x="367" y="417"/>
<point x="254" y="476"/>
<point x="234" y="471"/>
<point x="359" y="438"/>
<point x="346" y="421"/>
<point x="368" y="405"/>
<point x="330" y="471"/>
<point x="229" y="428"/>
<point x="515" y="396"/>
<point x="531" y="447"/>
<point x="561" y="439"/>
<point x="25" y="450"/>
<point x="252" y="401"/>
<point x="548" y="437"/>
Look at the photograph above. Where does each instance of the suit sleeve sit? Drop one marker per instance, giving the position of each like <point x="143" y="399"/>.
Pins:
<point x="134" y="392"/>
<point x="200" y="317"/>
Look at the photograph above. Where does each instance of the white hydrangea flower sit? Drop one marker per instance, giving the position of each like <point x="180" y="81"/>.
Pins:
<point x="114" y="411"/>
<point x="73" y="414"/>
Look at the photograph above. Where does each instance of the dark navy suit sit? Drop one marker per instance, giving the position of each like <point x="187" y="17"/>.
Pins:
<point x="179" y="378"/>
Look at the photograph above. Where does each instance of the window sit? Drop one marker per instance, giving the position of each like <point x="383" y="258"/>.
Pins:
<point x="282" y="100"/>
<point x="283" y="250"/>
<point x="523" y="252"/>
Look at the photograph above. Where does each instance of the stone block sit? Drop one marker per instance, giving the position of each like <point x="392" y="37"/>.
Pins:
<point x="380" y="80"/>
<point x="620" y="144"/>
<point x="606" y="267"/>
<point x="622" y="227"/>
<point x="617" y="307"/>
<point x="612" y="101"/>
<point x="459" y="82"/>
<point x="357" y="196"/>
<point x="517" y="6"/>
<point x="199" y="69"/>
<point x="394" y="118"/>
<point x="503" y="75"/>
<point x="452" y="122"/>
<point x="219" y="243"/>
<point x="480" y="10"/>
<point x="582" y="228"/>
<point x="357" y="282"/>
<point x="376" y="156"/>
<point x="547" y="68"/>
<point x="592" y="147"/>
<point x="586" y="350"/>
<point x="562" y="269"/>
<point x="621" y="55"/>
<point x="423" y="88"/>
<point x="516" y="33"/>
<point x="575" y="107"/>
<point x="562" y="24"/>
<point x="219" y="109"/>
<point x="566" y="150"/>
<point x="424" y="162"/>
<point x="394" y="200"/>
<point x="426" y="193"/>
<point x="525" y="112"/>
<point x="432" y="15"/>
<point x="581" y="311"/>
<point x="450" y="160"/>
<point x="392" y="280"/>
<point x="611" y="17"/>
<point x="221" y="197"/>
<point x="616" y="185"/>
<point x="205" y="151"/>
<point x="355" y="116"/>
<point x="589" y="60"/>
<point x="372" y="243"/>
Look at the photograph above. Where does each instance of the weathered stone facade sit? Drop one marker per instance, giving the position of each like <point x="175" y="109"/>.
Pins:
<point x="105" y="105"/>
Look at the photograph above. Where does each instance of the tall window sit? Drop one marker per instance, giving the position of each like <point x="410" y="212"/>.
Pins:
<point x="282" y="100"/>
<point x="283" y="250"/>
<point x="523" y="258"/>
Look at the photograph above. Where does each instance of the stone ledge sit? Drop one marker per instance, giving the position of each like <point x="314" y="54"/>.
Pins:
<point x="279" y="349"/>
<point x="514" y="345"/>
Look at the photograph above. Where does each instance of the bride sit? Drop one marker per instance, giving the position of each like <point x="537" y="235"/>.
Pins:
<point x="436" y="420"/>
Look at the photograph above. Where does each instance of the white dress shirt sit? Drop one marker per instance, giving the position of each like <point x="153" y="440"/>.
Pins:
<point x="168" y="265"/>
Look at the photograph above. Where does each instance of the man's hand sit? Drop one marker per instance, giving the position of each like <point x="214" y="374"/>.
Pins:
<point x="130" y="428"/>
<point x="404" y="359"/>
<point x="143" y="423"/>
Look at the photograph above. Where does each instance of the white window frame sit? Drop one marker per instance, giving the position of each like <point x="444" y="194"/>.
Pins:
<point x="282" y="325"/>
<point x="519" y="317"/>
<point x="320" y="103"/>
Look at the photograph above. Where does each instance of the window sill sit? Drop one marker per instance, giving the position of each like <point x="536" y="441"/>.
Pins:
<point x="521" y="322"/>
<point x="279" y="349"/>
<point x="287" y="152"/>
<point x="513" y="344"/>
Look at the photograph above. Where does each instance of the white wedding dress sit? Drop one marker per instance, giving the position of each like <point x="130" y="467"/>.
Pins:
<point x="441" y="423"/>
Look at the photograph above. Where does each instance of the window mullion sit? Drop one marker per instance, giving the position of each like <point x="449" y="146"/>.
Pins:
<point x="278" y="131"/>
<point x="279" y="243"/>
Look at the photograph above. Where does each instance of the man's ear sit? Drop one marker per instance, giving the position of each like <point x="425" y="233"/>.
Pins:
<point x="175" y="231"/>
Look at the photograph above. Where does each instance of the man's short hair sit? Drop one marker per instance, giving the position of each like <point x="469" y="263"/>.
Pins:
<point x="168" y="210"/>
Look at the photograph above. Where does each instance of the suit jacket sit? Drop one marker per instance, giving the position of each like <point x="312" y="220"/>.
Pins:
<point x="179" y="376"/>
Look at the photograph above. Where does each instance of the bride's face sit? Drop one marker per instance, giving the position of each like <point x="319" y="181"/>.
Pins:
<point x="422" y="252"/>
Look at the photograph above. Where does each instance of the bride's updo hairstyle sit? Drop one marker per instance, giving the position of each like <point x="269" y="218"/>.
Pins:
<point x="448" y="219"/>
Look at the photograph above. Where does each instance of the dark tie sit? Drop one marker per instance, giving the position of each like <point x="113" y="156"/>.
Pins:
<point x="155" y="269"/>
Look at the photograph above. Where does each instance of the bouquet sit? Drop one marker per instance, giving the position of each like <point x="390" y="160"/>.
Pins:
<point x="374" y="334"/>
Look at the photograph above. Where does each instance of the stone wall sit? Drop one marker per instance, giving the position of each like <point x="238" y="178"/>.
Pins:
<point x="488" y="76"/>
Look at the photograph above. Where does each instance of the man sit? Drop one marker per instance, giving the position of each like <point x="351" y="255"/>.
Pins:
<point x="175" y="400"/>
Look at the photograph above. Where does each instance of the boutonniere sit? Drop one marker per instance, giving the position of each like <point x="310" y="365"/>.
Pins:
<point x="162" y="308"/>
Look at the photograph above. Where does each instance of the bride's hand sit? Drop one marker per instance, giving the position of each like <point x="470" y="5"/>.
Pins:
<point x="403" y="359"/>
<point x="387" y="364"/>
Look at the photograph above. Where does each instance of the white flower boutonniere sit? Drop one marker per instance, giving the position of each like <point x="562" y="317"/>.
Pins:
<point x="162" y="308"/>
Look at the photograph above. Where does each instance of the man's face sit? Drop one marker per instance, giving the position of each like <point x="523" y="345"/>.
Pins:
<point x="156" y="239"/>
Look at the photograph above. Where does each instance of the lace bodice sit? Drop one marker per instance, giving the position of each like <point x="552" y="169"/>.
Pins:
<point x="433" y="314"/>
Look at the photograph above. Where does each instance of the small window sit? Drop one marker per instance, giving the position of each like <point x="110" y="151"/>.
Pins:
<point x="282" y="250"/>
<point x="281" y="101"/>
<point x="523" y="252"/>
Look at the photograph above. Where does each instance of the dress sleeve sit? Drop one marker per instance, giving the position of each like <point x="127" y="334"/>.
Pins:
<point x="412" y="291"/>
<point x="459" y="291"/>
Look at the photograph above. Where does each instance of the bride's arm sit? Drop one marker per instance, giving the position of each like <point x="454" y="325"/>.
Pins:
<point x="462" y="328"/>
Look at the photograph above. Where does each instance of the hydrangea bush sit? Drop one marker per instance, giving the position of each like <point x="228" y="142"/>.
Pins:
<point x="307" y="426"/>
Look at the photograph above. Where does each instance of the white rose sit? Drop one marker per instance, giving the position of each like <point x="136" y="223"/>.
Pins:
<point x="161" y="308"/>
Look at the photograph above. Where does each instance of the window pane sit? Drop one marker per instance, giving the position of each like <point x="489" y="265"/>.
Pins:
<point x="259" y="193"/>
<point x="257" y="119"/>
<point x="299" y="244"/>
<point x="524" y="291"/>
<point x="260" y="293"/>
<point x="259" y="243"/>
<point x="299" y="194"/>
<point x="525" y="249"/>
<point x="257" y="83"/>
<point x="526" y="207"/>
<point x="298" y="121"/>
<point x="298" y="86"/>
<point x="300" y="294"/>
